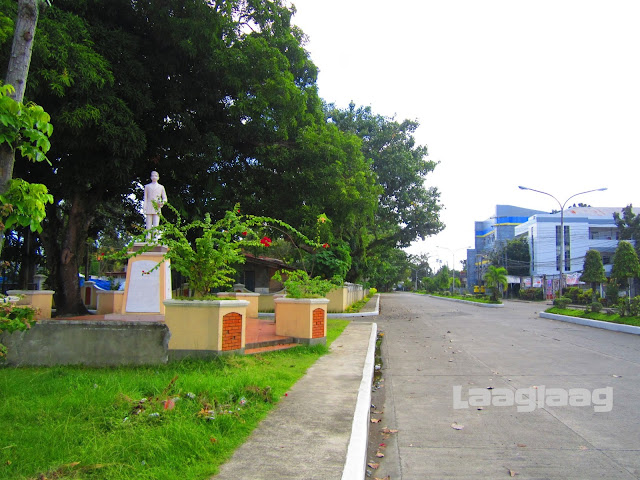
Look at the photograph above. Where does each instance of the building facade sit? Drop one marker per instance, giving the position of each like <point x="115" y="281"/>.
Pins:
<point x="493" y="233"/>
<point x="585" y="228"/>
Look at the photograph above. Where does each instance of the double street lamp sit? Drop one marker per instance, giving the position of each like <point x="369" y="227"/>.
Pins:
<point x="562" y="205"/>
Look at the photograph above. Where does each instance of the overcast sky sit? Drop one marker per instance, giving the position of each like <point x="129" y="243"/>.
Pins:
<point x="544" y="94"/>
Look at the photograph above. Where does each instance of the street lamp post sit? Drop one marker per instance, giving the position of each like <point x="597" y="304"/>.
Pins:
<point x="562" y="205"/>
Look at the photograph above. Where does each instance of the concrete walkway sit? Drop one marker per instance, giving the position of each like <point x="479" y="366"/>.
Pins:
<point x="319" y="430"/>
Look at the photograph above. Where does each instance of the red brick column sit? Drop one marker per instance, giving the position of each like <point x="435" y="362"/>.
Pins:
<point x="318" y="323"/>
<point x="231" y="331"/>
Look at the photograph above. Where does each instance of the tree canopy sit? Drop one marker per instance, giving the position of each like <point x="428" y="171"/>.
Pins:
<point x="221" y="99"/>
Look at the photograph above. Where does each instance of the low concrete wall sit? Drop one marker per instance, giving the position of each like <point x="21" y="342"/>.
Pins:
<point x="94" y="343"/>
<point x="342" y="297"/>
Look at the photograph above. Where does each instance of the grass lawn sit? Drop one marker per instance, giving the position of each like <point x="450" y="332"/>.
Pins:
<point x="466" y="298"/>
<point x="180" y="420"/>
<point x="614" y="318"/>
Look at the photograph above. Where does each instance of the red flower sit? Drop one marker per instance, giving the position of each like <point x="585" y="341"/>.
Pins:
<point x="244" y="233"/>
<point x="266" y="241"/>
<point x="325" y="245"/>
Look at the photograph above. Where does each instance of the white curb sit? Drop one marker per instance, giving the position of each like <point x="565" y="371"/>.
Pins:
<point x="478" y="304"/>
<point x="355" y="465"/>
<point x="616" y="327"/>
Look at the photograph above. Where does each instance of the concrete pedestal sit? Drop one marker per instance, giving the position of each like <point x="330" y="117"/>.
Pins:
<point x="146" y="290"/>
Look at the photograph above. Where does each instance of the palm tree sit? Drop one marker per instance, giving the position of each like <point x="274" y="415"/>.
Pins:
<point x="496" y="278"/>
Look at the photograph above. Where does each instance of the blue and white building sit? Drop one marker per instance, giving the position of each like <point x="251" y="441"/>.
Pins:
<point x="492" y="233"/>
<point x="585" y="228"/>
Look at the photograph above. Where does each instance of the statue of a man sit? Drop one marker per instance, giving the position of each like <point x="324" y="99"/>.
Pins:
<point x="153" y="192"/>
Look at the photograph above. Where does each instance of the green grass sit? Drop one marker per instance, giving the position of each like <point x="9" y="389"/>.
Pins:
<point x="357" y="306"/>
<point x="613" y="318"/>
<point x="91" y="423"/>
<point x="466" y="298"/>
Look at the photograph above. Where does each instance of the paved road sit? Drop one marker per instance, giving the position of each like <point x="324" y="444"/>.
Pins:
<point x="431" y="346"/>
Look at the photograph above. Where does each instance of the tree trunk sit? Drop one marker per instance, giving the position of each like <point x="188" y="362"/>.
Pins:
<point x="17" y="72"/>
<point x="18" y="68"/>
<point x="65" y="244"/>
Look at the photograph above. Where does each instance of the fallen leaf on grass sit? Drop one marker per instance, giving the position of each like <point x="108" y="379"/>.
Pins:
<point x="582" y="447"/>
<point x="388" y="430"/>
<point x="513" y="473"/>
<point x="456" y="426"/>
<point x="373" y="465"/>
<point x="379" y="454"/>
<point x="385" y="478"/>
<point x="521" y="445"/>
<point x="375" y="420"/>
<point x="382" y="445"/>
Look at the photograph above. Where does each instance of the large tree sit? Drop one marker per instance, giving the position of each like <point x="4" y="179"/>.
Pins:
<point x="514" y="256"/>
<point x="407" y="209"/>
<point x="593" y="270"/>
<point x="220" y="98"/>
<point x="626" y="265"/>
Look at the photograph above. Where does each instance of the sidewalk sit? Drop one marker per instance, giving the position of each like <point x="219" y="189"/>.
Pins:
<point x="320" y="428"/>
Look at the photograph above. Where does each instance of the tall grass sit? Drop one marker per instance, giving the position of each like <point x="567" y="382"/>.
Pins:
<point x="180" y="420"/>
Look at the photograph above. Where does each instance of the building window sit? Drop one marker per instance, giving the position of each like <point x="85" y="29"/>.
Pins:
<point x="533" y="250"/>
<point x="567" y="249"/>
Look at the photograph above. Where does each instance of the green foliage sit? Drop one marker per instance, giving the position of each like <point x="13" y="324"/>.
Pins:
<point x="299" y="284"/>
<point x="595" y="307"/>
<point x="514" y="256"/>
<point x="561" y="302"/>
<point x="72" y="404"/>
<point x="628" y="308"/>
<point x="628" y="225"/>
<point x="496" y="279"/>
<point x="605" y="317"/>
<point x="332" y="260"/>
<point x="611" y="291"/>
<point x="407" y="209"/>
<point x="25" y="128"/>
<point x="593" y="270"/>
<point x="531" y="294"/>
<point x="579" y="296"/>
<point x="208" y="260"/>
<point x="625" y="262"/>
<point x="14" y="318"/>
<point x="24" y="205"/>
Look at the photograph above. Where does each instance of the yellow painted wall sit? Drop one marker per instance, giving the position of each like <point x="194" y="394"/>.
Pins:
<point x="109" y="301"/>
<point x="197" y="324"/>
<point x="42" y="300"/>
<point x="252" y="298"/>
<point x="294" y="316"/>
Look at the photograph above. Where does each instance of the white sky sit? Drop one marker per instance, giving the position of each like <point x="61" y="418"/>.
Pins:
<point x="544" y="94"/>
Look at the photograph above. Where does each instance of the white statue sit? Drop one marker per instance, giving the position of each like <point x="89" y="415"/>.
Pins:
<point x="153" y="192"/>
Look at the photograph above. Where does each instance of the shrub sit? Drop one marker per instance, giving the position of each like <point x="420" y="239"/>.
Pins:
<point x="372" y="291"/>
<point x="594" y="307"/>
<point x="622" y="308"/>
<point x="562" y="302"/>
<point x="531" y="294"/>
<point x="634" y="307"/>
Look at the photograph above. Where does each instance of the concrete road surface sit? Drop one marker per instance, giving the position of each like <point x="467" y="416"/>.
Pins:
<point x="436" y="353"/>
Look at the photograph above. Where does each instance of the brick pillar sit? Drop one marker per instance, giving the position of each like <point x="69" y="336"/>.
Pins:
<point x="318" y="323"/>
<point x="232" y="331"/>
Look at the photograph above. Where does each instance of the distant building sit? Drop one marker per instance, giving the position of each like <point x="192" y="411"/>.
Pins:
<point x="492" y="233"/>
<point x="585" y="228"/>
